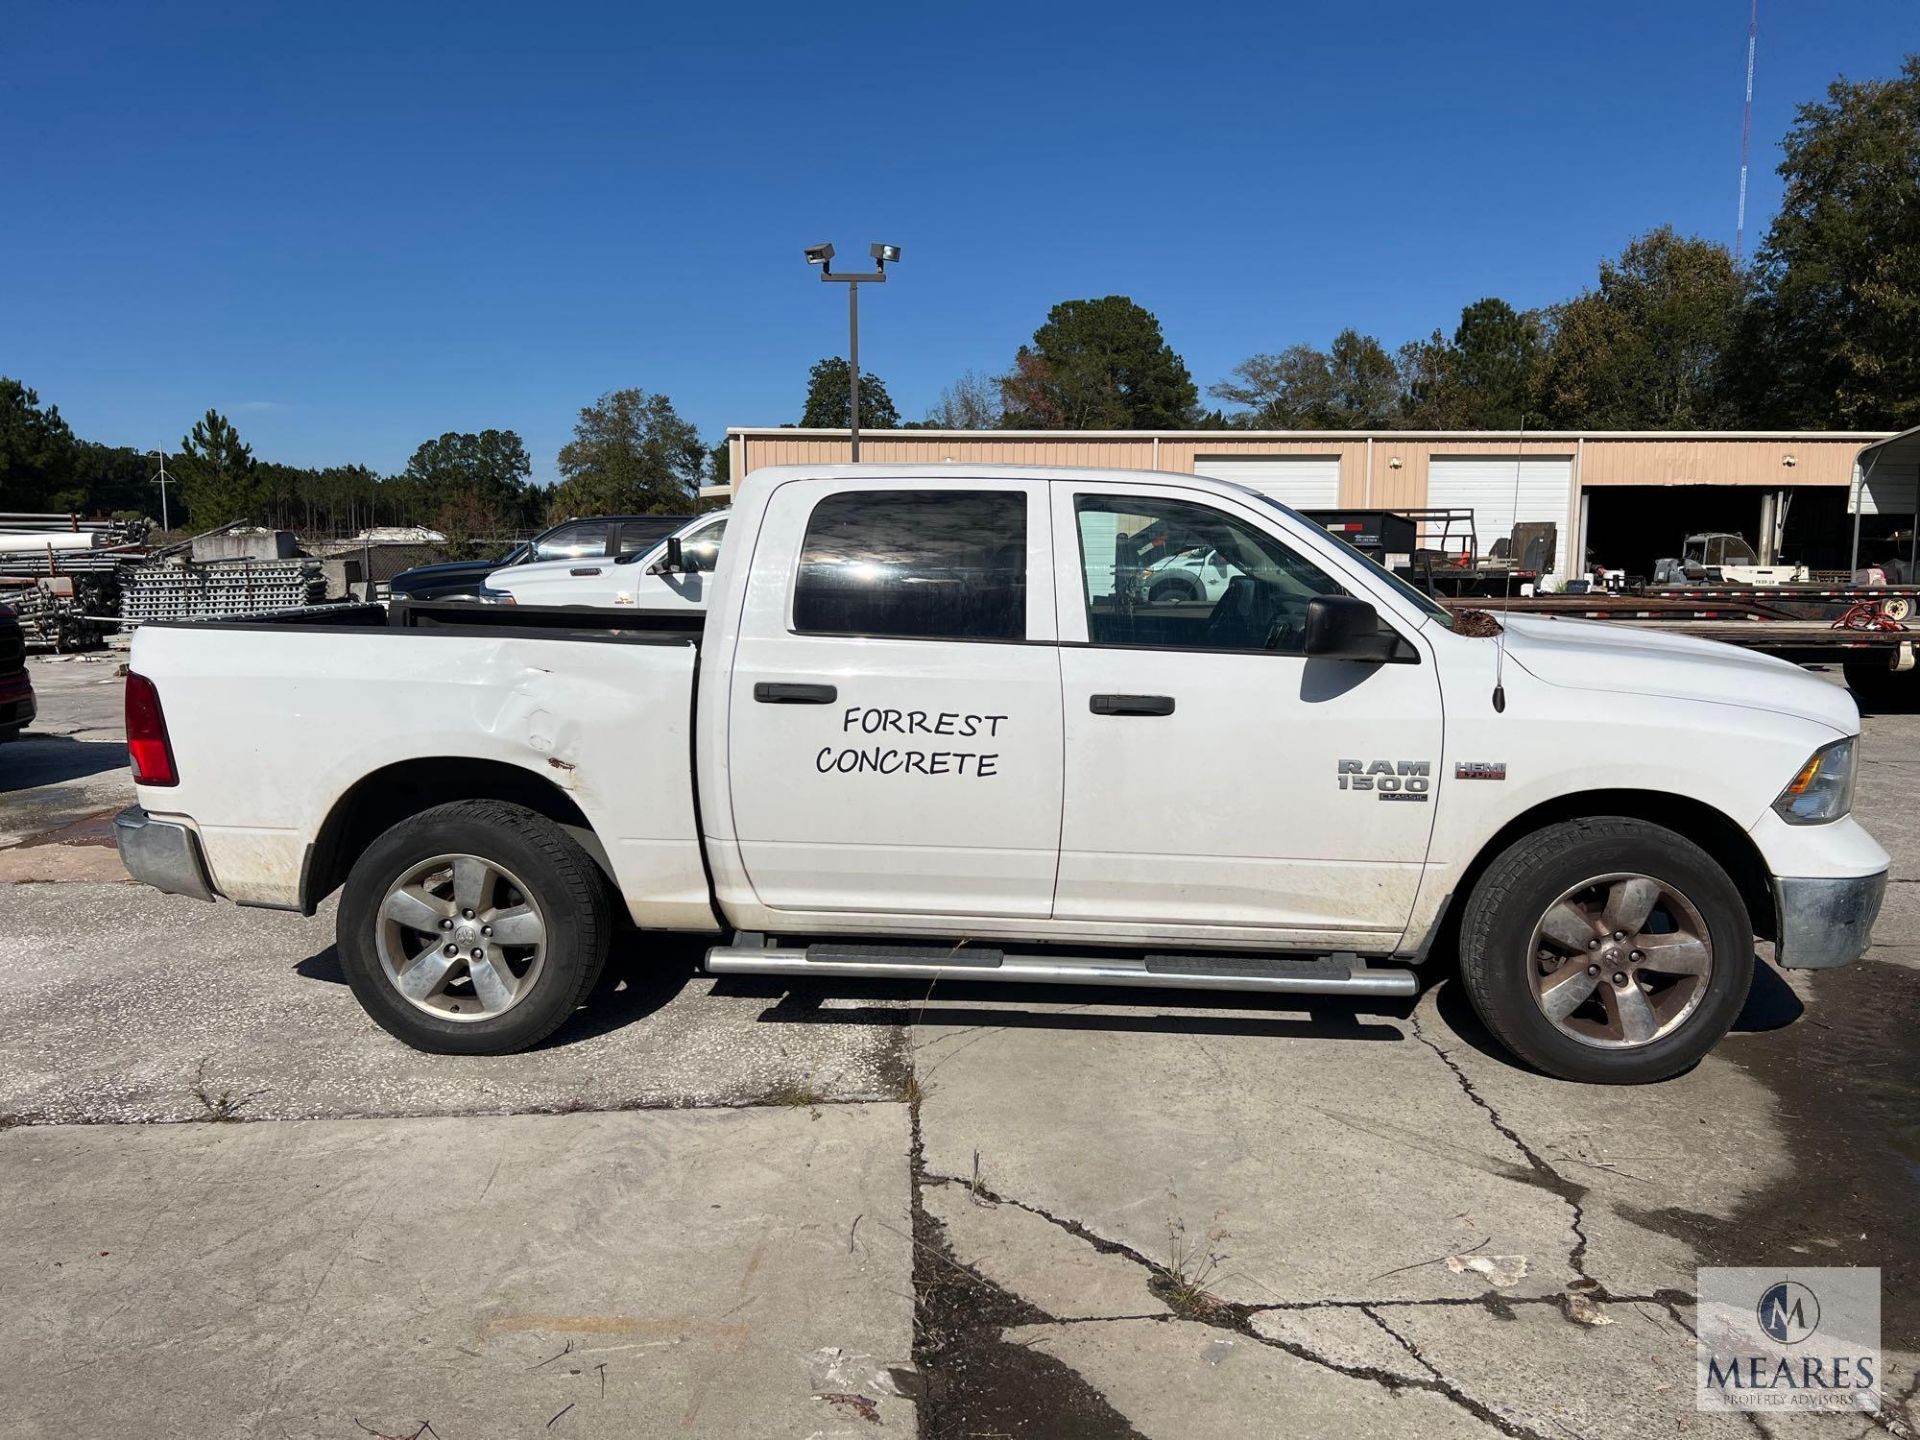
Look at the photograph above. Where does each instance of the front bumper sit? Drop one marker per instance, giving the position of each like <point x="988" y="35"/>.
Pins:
<point x="162" y="853"/>
<point x="1824" y="920"/>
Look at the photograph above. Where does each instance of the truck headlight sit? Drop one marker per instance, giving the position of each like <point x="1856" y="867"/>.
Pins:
<point x="1823" y="790"/>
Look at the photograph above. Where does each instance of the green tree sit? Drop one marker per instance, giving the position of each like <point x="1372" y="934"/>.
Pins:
<point x="1353" y="385"/>
<point x="1649" y="349"/>
<point x="631" y="453"/>
<point x="471" y="522"/>
<point x="1484" y="378"/>
<point x="1834" y="334"/>
<point x="36" y="449"/>
<point x="1098" y="365"/>
<point x="830" y="399"/>
<point x="218" y="479"/>
<point x="492" y="466"/>
<point x="113" y="479"/>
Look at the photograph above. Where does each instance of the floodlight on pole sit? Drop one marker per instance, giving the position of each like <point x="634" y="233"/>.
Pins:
<point x="883" y="255"/>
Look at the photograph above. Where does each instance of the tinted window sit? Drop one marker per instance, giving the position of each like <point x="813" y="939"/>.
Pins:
<point x="571" y="542"/>
<point x="646" y="532"/>
<point x="1176" y="575"/>
<point x="918" y="564"/>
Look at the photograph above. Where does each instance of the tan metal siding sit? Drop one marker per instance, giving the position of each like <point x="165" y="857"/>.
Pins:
<point x="1400" y="459"/>
<point x="906" y="448"/>
<point x="1823" y="460"/>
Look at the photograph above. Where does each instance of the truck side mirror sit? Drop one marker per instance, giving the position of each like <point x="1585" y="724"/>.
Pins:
<point x="674" y="562"/>
<point x="1339" y="627"/>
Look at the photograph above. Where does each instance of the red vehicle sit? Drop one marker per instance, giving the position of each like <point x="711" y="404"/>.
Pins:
<point x="17" y="706"/>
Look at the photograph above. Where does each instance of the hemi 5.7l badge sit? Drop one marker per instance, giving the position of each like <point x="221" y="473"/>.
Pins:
<point x="1389" y="779"/>
<point x="1480" y="770"/>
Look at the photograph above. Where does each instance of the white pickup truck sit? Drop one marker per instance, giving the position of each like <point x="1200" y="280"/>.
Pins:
<point x="639" y="580"/>
<point x="929" y="726"/>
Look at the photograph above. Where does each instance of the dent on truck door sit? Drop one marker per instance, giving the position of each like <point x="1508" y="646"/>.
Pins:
<point x="1259" y="788"/>
<point x="894" y="729"/>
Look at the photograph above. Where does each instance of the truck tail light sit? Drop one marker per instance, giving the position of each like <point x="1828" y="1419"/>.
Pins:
<point x="147" y="743"/>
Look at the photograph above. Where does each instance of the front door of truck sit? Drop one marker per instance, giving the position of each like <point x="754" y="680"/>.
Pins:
<point x="1214" y="774"/>
<point x="894" y="730"/>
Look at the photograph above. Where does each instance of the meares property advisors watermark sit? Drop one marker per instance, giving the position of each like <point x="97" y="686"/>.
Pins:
<point x="1795" y="1339"/>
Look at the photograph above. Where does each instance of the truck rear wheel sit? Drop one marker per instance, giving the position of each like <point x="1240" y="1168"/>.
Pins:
<point x="1606" y="950"/>
<point x="474" y="928"/>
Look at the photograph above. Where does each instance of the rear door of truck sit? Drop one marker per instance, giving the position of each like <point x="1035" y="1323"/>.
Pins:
<point x="894" y="731"/>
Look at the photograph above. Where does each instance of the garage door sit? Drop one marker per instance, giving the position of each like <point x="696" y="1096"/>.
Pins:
<point x="1486" y="485"/>
<point x="1306" y="482"/>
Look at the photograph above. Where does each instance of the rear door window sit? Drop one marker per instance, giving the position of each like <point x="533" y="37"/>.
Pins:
<point x="915" y="564"/>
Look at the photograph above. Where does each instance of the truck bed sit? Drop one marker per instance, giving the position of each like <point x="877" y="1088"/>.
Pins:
<point x="280" y="724"/>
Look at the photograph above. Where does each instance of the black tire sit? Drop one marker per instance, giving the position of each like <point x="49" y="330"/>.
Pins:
<point x="1167" y="592"/>
<point x="1885" y="691"/>
<point x="1516" y="891"/>
<point x="560" y="877"/>
<point x="10" y="732"/>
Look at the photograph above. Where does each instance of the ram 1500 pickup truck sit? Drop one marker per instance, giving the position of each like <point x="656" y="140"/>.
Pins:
<point x="931" y="726"/>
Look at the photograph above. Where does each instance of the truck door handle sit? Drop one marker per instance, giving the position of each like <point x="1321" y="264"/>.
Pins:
<point x="1131" y="704"/>
<point x="776" y="692"/>
<point x="585" y="570"/>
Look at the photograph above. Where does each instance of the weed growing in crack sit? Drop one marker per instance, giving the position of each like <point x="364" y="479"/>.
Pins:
<point x="224" y="1106"/>
<point x="908" y="1089"/>
<point x="798" y="1094"/>
<point x="1192" y="1265"/>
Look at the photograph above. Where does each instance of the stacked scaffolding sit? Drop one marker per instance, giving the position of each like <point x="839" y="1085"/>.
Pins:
<point x="61" y="614"/>
<point x="218" y="592"/>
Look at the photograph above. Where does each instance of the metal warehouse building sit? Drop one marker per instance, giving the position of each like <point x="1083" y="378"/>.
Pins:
<point x="1627" y="496"/>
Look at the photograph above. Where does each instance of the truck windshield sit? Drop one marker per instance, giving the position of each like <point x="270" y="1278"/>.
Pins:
<point x="1426" y="603"/>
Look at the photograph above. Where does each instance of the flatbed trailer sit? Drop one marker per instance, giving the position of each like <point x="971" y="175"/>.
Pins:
<point x="1875" y="650"/>
<point x="1804" y="601"/>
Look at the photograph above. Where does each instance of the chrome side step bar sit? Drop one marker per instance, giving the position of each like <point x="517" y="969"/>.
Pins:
<point x="1300" y="975"/>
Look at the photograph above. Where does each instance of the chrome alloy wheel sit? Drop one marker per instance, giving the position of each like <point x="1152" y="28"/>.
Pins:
<point x="1620" y="961"/>
<point x="461" y="938"/>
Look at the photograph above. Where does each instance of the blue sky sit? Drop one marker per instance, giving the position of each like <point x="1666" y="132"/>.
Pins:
<point x="352" y="226"/>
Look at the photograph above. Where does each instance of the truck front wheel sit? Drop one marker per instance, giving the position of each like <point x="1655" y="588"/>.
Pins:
<point x="1877" y="687"/>
<point x="474" y="928"/>
<point x="1606" y="950"/>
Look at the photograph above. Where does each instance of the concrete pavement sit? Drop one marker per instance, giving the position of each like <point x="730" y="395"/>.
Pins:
<point x="702" y="1272"/>
<point x="72" y="762"/>
<point x="1131" y="1215"/>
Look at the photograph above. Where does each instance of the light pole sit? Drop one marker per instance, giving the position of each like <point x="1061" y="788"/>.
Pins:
<point x="822" y="255"/>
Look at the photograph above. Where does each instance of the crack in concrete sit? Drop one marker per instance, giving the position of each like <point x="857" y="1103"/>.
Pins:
<point x="1545" y="1176"/>
<point x="48" y="1119"/>
<point x="1404" y="1343"/>
<point x="1491" y="1302"/>
<point x="1224" y="1315"/>
<point x="972" y="1380"/>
